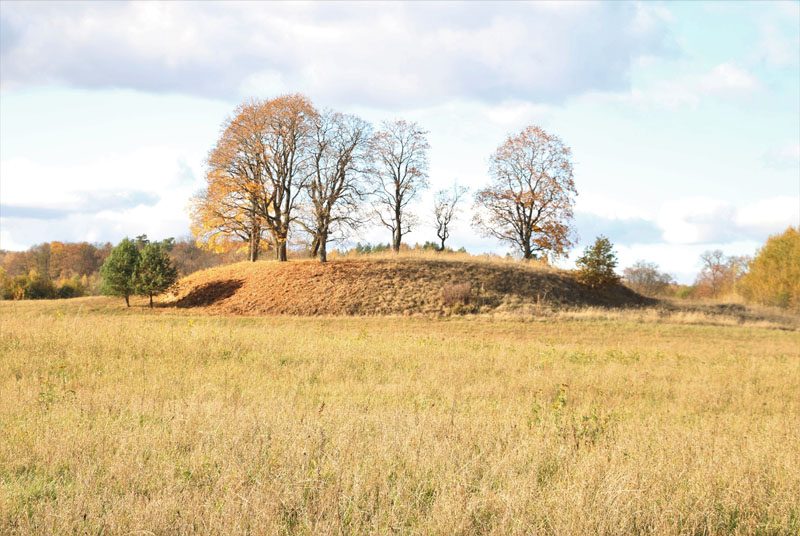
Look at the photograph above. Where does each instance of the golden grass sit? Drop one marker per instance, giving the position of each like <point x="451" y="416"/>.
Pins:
<point x="428" y="254"/>
<point x="136" y="422"/>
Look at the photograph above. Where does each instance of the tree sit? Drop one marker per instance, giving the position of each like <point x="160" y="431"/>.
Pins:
<point x="400" y="153"/>
<point x="774" y="275"/>
<point x="444" y="209"/>
<point x="285" y="142"/>
<point x="257" y="171"/>
<point x="229" y="207"/>
<point x="187" y="257"/>
<point x="529" y="200"/>
<point x="119" y="270"/>
<point x="219" y="224"/>
<point x="719" y="274"/>
<point x="336" y="188"/>
<point x="645" y="278"/>
<point x="596" y="265"/>
<point x="155" y="272"/>
<point x="714" y="273"/>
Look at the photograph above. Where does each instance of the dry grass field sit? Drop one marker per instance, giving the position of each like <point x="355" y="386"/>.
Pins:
<point x="117" y="421"/>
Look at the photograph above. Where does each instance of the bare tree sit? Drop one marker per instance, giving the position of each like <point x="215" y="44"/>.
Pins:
<point x="336" y="188"/>
<point x="719" y="273"/>
<point x="444" y="209"/>
<point x="646" y="278"/>
<point x="529" y="200"/>
<point x="400" y="171"/>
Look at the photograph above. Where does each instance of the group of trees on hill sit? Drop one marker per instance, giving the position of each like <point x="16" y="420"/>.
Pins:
<point x="281" y="166"/>
<point x="283" y="170"/>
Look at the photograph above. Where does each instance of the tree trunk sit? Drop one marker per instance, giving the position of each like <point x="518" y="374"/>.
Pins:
<point x="151" y="301"/>
<point x="315" y="247"/>
<point x="127" y="302"/>
<point x="442" y="248"/>
<point x="255" y="233"/>
<point x="281" y="253"/>
<point x="252" y="250"/>
<point x="397" y="236"/>
<point x="323" y="250"/>
<point x="398" y="233"/>
<point x="527" y="252"/>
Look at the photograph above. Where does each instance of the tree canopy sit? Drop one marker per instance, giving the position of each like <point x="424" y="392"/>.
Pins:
<point x="596" y="265"/>
<point x="774" y="275"/>
<point x="399" y="173"/>
<point x="528" y="202"/>
<point x="155" y="272"/>
<point x="119" y="270"/>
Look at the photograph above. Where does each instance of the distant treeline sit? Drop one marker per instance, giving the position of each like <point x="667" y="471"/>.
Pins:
<point x="67" y="269"/>
<point x="771" y="277"/>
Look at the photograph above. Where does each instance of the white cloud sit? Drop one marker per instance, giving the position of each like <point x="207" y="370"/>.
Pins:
<point x="108" y="179"/>
<point x="786" y="156"/>
<point x="701" y="220"/>
<point x="384" y="54"/>
<point x="780" y="41"/>
<point x="143" y="191"/>
<point x="728" y="79"/>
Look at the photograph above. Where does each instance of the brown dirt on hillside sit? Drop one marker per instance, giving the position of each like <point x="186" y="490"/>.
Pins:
<point x="386" y="286"/>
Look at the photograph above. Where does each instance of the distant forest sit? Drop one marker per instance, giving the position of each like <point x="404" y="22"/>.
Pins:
<point x="66" y="270"/>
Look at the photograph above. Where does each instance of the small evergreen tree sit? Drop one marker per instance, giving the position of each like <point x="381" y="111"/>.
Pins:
<point x="156" y="273"/>
<point x="596" y="265"/>
<point x="119" y="270"/>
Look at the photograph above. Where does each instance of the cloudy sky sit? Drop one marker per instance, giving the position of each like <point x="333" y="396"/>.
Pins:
<point x="683" y="118"/>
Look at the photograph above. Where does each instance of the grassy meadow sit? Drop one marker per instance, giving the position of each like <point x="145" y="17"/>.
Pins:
<point x="117" y="421"/>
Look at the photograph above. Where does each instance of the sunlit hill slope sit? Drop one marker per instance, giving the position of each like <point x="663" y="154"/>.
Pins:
<point x="388" y="285"/>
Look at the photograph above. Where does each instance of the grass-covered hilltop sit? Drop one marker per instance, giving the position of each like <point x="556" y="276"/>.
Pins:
<point x="431" y="283"/>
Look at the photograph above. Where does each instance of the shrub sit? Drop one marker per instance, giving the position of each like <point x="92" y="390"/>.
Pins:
<point x="596" y="265"/>
<point x="366" y="249"/>
<point x="70" y="288"/>
<point x="456" y="294"/>
<point x="684" y="291"/>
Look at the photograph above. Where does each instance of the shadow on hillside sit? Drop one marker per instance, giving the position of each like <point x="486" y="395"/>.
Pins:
<point x="553" y="288"/>
<point x="210" y="293"/>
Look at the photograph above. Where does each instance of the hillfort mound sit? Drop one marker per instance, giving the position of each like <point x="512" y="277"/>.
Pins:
<point x="389" y="286"/>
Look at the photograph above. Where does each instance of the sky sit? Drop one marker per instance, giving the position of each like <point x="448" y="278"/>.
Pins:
<point x="683" y="118"/>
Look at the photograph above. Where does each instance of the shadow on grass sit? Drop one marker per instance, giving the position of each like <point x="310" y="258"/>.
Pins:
<point x="210" y="293"/>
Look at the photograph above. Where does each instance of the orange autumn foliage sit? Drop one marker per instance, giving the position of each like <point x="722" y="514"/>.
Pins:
<point x="529" y="200"/>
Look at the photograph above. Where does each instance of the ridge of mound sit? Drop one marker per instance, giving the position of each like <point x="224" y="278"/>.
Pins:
<point x="385" y="287"/>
